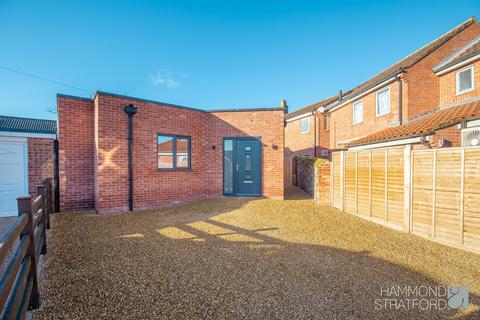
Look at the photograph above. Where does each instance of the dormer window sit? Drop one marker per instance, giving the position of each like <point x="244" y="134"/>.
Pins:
<point x="465" y="80"/>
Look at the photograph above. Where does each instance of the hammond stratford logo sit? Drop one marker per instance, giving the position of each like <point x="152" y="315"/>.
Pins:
<point x="422" y="298"/>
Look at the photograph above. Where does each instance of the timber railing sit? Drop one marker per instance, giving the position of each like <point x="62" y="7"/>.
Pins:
<point x="20" y="248"/>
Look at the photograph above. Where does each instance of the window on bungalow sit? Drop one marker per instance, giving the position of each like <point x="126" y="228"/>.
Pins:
<point x="304" y="125"/>
<point x="383" y="102"/>
<point x="465" y="80"/>
<point x="357" y="112"/>
<point x="174" y="152"/>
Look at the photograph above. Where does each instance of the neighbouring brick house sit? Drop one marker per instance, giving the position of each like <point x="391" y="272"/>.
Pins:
<point x="399" y="105"/>
<point x="178" y="153"/>
<point x="26" y="158"/>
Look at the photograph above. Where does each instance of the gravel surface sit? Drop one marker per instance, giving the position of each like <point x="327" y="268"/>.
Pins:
<point x="240" y="258"/>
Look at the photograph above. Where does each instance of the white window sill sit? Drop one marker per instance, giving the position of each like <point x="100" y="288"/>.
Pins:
<point x="464" y="91"/>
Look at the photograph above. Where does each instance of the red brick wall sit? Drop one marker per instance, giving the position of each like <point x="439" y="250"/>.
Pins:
<point x="76" y="148"/>
<point x="269" y="126"/>
<point x="424" y="85"/>
<point x="451" y="134"/>
<point x="153" y="188"/>
<point x="297" y="144"/>
<point x="448" y="83"/>
<point x="342" y="128"/>
<point x="40" y="162"/>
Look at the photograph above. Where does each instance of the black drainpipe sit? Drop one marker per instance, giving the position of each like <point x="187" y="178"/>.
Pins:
<point x="400" y="94"/>
<point x="130" y="110"/>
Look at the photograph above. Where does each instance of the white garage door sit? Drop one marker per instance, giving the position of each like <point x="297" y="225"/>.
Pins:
<point x="13" y="174"/>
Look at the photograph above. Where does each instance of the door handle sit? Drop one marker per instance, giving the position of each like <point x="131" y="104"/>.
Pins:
<point x="237" y="167"/>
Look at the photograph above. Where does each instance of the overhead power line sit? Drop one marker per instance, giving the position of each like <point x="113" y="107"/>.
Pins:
<point x="43" y="78"/>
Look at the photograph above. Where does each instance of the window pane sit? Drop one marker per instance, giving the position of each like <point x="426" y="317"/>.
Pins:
<point x="383" y="102"/>
<point x="248" y="162"/>
<point x="358" y="112"/>
<point x="165" y="152"/>
<point x="228" y="166"/>
<point x="304" y="125"/>
<point x="183" y="156"/>
<point x="465" y="80"/>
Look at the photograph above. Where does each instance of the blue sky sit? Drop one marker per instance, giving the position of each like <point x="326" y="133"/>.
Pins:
<point x="208" y="54"/>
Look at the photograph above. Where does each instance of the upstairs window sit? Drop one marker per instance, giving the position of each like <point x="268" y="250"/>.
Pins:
<point x="174" y="152"/>
<point x="383" y="102"/>
<point x="358" y="112"/>
<point x="465" y="80"/>
<point x="304" y="125"/>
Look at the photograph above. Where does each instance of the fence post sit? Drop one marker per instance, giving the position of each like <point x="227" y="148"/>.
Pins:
<point x="48" y="199"/>
<point x="407" y="171"/>
<point x="41" y="191"/>
<point x="342" y="180"/>
<point x="25" y="206"/>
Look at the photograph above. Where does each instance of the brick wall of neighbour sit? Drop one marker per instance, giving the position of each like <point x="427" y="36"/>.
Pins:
<point x="448" y="82"/>
<point x="153" y="188"/>
<point x="424" y="85"/>
<point x="40" y="162"/>
<point x="342" y="128"/>
<point x="323" y="134"/>
<point x="76" y="152"/>
<point x="297" y="144"/>
<point x="452" y="135"/>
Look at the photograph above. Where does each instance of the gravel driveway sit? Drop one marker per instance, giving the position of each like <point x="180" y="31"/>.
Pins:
<point x="240" y="258"/>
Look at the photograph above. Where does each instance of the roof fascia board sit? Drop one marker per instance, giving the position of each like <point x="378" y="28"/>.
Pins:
<point x="28" y="134"/>
<point x="362" y="94"/>
<point x="303" y="115"/>
<point x="386" y="144"/>
<point x="459" y="65"/>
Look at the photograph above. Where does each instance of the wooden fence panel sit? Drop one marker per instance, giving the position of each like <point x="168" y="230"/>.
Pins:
<point x="434" y="193"/>
<point x="395" y="186"/>
<point x="350" y="183"/>
<point x="471" y="204"/>
<point x="336" y="194"/>
<point x="363" y="183"/>
<point x="447" y="217"/>
<point x="378" y="183"/>
<point x="422" y="194"/>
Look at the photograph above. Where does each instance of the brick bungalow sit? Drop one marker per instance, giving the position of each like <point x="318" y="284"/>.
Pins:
<point x="26" y="158"/>
<point x="177" y="153"/>
<point x="390" y="102"/>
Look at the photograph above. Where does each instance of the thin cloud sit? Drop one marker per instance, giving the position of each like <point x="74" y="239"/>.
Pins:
<point x="166" y="78"/>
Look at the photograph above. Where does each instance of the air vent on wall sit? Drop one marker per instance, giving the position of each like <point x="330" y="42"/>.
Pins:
<point x="471" y="137"/>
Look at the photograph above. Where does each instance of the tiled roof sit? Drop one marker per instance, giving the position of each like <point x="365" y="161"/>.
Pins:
<point x="424" y="125"/>
<point x="16" y="124"/>
<point x="468" y="51"/>
<point x="311" y="107"/>
<point x="405" y="63"/>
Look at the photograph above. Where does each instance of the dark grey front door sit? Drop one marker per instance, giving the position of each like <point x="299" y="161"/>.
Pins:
<point x="249" y="167"/>
<point x="242" y="166"/>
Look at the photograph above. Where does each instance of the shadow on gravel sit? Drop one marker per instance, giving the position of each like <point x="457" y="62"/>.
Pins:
<point x="201" y="261"/>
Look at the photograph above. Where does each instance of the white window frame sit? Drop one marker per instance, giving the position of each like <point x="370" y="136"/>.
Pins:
<point x="308" y="125"/>
<point x="353" y="111"/>
<point x="457" y="80"/>
<point x="376" y="102"/>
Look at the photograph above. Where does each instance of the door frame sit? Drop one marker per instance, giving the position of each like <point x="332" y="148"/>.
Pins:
<point x="234" y="153"/>
<point x="24" y="142"/>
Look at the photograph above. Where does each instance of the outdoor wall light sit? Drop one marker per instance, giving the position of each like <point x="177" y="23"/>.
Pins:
<point x="275" y="146"/>
<point x="213" y="147"/>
